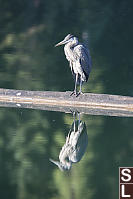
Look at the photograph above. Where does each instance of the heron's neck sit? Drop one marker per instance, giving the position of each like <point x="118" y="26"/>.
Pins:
<point x="71" y="45"/>
<point x="67" y="165"/>
<point x="69" y="48"/>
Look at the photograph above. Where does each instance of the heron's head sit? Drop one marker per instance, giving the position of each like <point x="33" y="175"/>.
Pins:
<point x="62" y="166"/>
<point x="68" y="39"/>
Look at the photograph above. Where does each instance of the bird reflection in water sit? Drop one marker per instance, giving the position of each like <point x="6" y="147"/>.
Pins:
<point x="75" y="145"/>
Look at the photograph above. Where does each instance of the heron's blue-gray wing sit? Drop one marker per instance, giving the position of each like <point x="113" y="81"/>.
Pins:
<point x="82" y="54"/>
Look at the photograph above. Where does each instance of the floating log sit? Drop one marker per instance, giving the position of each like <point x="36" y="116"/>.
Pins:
<point x="88" y="103"/>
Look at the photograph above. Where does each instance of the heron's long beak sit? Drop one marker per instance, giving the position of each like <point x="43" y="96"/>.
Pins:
<point x="55" y="162"/>
<point x="61" y="43"/>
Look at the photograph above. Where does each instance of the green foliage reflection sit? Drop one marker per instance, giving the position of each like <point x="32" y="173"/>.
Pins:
<point x="28" y="60"/>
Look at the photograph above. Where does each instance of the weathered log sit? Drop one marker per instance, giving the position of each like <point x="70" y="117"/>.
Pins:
<point x="88" y="103"/>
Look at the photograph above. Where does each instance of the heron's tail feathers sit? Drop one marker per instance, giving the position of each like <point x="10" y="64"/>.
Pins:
<point x="85" y="77"/>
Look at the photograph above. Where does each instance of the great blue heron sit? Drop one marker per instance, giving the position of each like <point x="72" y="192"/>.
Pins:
<point x="74" y="147"/>
<point x="79" y="59"/>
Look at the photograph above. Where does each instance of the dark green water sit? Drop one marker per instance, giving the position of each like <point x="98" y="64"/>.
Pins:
<point x="28" y="60"/>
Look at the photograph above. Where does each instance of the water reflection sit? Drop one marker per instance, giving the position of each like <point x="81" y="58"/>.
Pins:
<point x="75" y="145"/>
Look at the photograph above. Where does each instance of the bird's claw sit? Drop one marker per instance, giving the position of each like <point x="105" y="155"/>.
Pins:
<point x="79" y="93"/>
<point x="73" y="93"/>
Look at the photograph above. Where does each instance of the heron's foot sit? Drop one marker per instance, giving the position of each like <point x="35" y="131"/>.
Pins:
<point x="74" y="93"/>
<point x="79" y="93"/>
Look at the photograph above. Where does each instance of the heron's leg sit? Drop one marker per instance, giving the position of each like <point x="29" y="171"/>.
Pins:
<point x="78" y="120"/>
<point x="75" y="88"/>
<point x="79" y="117"/>
<point x="80" y="86"/>
<point x="74" y="122"/>
<point x="80" y="90"/>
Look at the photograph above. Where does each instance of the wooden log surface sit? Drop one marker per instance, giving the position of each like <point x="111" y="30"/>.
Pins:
<point x="88" y="103"/>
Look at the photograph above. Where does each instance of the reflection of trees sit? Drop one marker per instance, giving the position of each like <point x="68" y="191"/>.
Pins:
<point x="24" y="154"/>
<point x="29" y="30"/>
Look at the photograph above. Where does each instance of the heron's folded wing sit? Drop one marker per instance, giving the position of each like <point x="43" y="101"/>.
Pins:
<point x="82" y="54"/>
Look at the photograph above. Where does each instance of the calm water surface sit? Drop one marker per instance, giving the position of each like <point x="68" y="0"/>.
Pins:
<point x="28" y="60"/>
<point x="28" y="138"/>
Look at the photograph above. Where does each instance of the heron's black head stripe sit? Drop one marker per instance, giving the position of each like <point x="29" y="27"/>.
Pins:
<point x="69" y="36"/>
